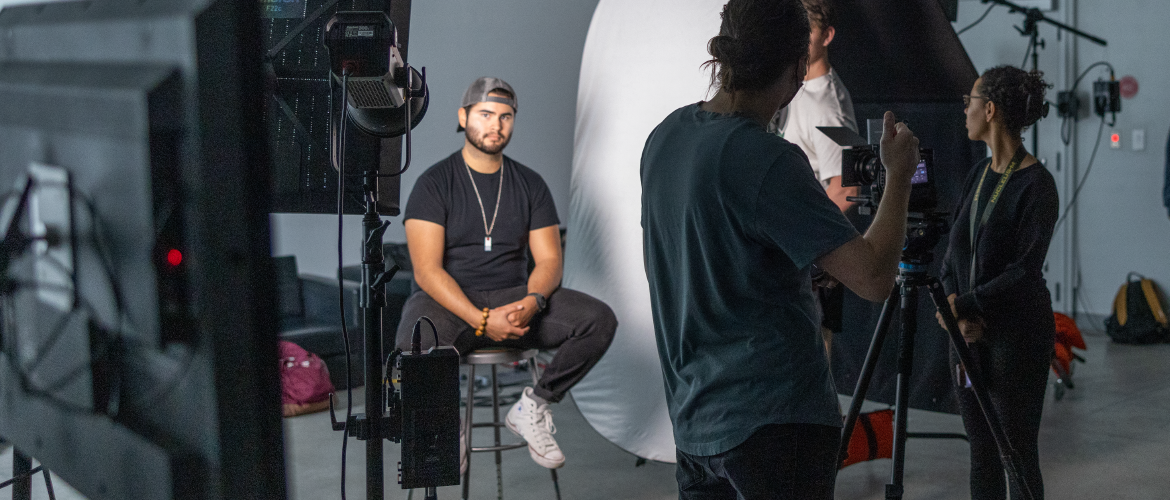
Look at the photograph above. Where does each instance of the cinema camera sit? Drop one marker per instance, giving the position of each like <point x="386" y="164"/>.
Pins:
<point x="861" y="165"/>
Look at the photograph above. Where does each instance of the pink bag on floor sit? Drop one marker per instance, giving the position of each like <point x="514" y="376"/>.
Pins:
<point x="304" y="381"/>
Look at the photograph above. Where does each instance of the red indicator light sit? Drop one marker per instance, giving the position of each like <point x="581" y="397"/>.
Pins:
<point x="1115" y="138"/>
<point x="174" y="257"/>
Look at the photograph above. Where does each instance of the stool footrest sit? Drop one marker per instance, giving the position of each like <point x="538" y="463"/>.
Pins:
<point x="501" y="447"/>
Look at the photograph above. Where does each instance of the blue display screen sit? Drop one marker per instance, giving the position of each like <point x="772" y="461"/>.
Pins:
<point x="920" y="175"/>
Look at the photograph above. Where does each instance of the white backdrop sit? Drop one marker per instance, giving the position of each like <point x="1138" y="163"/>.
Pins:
<point x="642" y="60"/>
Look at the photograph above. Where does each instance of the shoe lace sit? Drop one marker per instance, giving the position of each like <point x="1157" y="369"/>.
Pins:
<point x="542" y="420"/>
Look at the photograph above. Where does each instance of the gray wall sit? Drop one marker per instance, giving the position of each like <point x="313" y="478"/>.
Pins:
<point x="1119" y="223"/>
<point x="534" y="45"/>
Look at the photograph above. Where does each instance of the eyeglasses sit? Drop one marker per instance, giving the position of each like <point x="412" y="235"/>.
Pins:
<point x="967" y="99"/>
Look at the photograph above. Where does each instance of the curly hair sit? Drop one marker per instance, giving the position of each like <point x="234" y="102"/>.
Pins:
<point x="821" y="13"/>
<point x="757" y="41"/>
<point x="1017" y="94"/>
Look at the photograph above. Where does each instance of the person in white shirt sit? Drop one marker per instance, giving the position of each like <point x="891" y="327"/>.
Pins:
<point x="823" y="101"/>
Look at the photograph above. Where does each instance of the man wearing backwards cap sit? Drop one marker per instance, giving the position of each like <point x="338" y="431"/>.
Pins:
<point x="469" y="221"/>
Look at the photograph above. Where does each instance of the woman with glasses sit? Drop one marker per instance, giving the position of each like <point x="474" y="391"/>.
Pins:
<point x="993" y="276"/>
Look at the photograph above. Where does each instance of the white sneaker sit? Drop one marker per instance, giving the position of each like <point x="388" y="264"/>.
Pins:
<point x="534" y="423"/>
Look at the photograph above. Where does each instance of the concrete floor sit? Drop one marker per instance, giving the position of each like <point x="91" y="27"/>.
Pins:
<point x="1107" y="439"/>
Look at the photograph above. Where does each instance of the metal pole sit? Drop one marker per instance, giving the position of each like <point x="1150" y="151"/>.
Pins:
<point x="372" y="301"/>
<point x="909" y="317"/>
<point x="21" y="467"/>
<point x="863" y="379"/>
<point x="1035" y="67"/>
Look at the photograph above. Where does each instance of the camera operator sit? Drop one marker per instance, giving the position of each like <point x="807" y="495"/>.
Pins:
<point x="733" y="218"/>
<point x="993" y="276"/>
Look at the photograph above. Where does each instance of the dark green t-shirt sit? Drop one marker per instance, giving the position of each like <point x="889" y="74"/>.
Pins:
<point x="732" y="218"/>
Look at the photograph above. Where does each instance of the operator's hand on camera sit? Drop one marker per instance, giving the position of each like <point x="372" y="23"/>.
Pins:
<point x="899" y="150"/>
<point x="499" y="328"/>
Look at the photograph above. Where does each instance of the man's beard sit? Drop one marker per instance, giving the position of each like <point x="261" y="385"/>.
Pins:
<point x="475" y="137"/>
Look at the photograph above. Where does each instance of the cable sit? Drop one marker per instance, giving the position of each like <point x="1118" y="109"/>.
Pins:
<point x="416" y="335"/>
<point x="1084" y="178"/>
<point x="1086" y="72"/>
<point x="339" y="156"/>
<point x="1065" y="129"/>
<point x="59" y="330"/>
<point x="977" y="21"/>
<point x="1028" y="52"/>
<point x="46" y="393"/>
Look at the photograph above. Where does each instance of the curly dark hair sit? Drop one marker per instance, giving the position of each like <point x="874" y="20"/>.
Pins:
<point x="821" y="13"/>
<point x="1017" y="94"/>
<point x="757" y="41"/>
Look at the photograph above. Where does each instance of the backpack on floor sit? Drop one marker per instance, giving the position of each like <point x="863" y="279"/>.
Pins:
<point x="304" y="381"/>
<point x="1137" y="316"/>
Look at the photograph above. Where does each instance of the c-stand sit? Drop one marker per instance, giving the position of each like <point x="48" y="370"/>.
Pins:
<point x="1032" y="17"/>
<point x="924" y="231"/>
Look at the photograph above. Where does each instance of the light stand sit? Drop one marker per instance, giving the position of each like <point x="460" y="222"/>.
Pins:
<point x="391" y="99"/>
<point x="924" y="232"/>
<point x="1032" y="17"/>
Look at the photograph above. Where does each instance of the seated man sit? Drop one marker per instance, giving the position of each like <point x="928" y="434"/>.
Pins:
<point x="469" y="220"/>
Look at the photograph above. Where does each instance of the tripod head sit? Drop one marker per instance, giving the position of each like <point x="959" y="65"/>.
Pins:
<point x="923" y="232"/>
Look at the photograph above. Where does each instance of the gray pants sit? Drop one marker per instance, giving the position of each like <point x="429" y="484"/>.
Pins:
<point x="578" y="326"/>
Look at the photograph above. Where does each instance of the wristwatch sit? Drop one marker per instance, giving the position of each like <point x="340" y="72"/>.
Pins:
<point x="540" y="301"/>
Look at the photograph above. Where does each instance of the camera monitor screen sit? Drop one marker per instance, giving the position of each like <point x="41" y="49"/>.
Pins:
<point x="921" y="175"/>
<point x="137" y="341"/>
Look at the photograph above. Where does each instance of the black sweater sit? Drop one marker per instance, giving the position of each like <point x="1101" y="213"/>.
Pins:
<point x="1009" y="291"/>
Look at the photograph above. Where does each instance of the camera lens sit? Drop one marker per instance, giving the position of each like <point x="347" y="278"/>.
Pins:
<point x="870" y="168"/>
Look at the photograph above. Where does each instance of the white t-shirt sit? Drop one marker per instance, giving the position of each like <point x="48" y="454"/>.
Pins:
<point x="822" y="102"/>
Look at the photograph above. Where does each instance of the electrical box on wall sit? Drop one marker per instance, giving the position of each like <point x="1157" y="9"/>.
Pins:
<point x="1106" y="97"/>
<point x="1067" y="104"/>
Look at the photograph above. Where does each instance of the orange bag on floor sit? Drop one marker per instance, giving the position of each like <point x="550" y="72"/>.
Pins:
<point x="873" y="438"/>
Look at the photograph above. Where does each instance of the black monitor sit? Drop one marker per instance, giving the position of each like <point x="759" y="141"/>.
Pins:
<point x="137" y="300"/>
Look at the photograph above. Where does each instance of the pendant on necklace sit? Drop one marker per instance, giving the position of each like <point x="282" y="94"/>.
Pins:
<point x="487" y="243"/>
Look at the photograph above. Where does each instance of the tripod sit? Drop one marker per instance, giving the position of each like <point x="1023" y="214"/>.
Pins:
<point x="911" y="275"/>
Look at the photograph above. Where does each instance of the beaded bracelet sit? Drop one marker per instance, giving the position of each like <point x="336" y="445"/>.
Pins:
<point x="482" y="324"/>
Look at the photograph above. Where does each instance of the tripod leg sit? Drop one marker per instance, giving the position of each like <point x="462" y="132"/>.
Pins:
<point x="21" y="466"/>
<point x="1007" y="454"/>
<point x="909" y="309"/>
<point x="863" y="379"/>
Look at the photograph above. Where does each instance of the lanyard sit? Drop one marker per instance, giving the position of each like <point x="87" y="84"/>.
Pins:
<point x="1021" y="153"/>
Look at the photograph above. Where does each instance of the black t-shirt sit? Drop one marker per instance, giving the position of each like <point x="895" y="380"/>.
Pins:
<point x="444" y="195"/>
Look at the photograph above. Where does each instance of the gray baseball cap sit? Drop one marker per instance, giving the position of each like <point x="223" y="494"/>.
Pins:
<point x="478" y="92"/>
